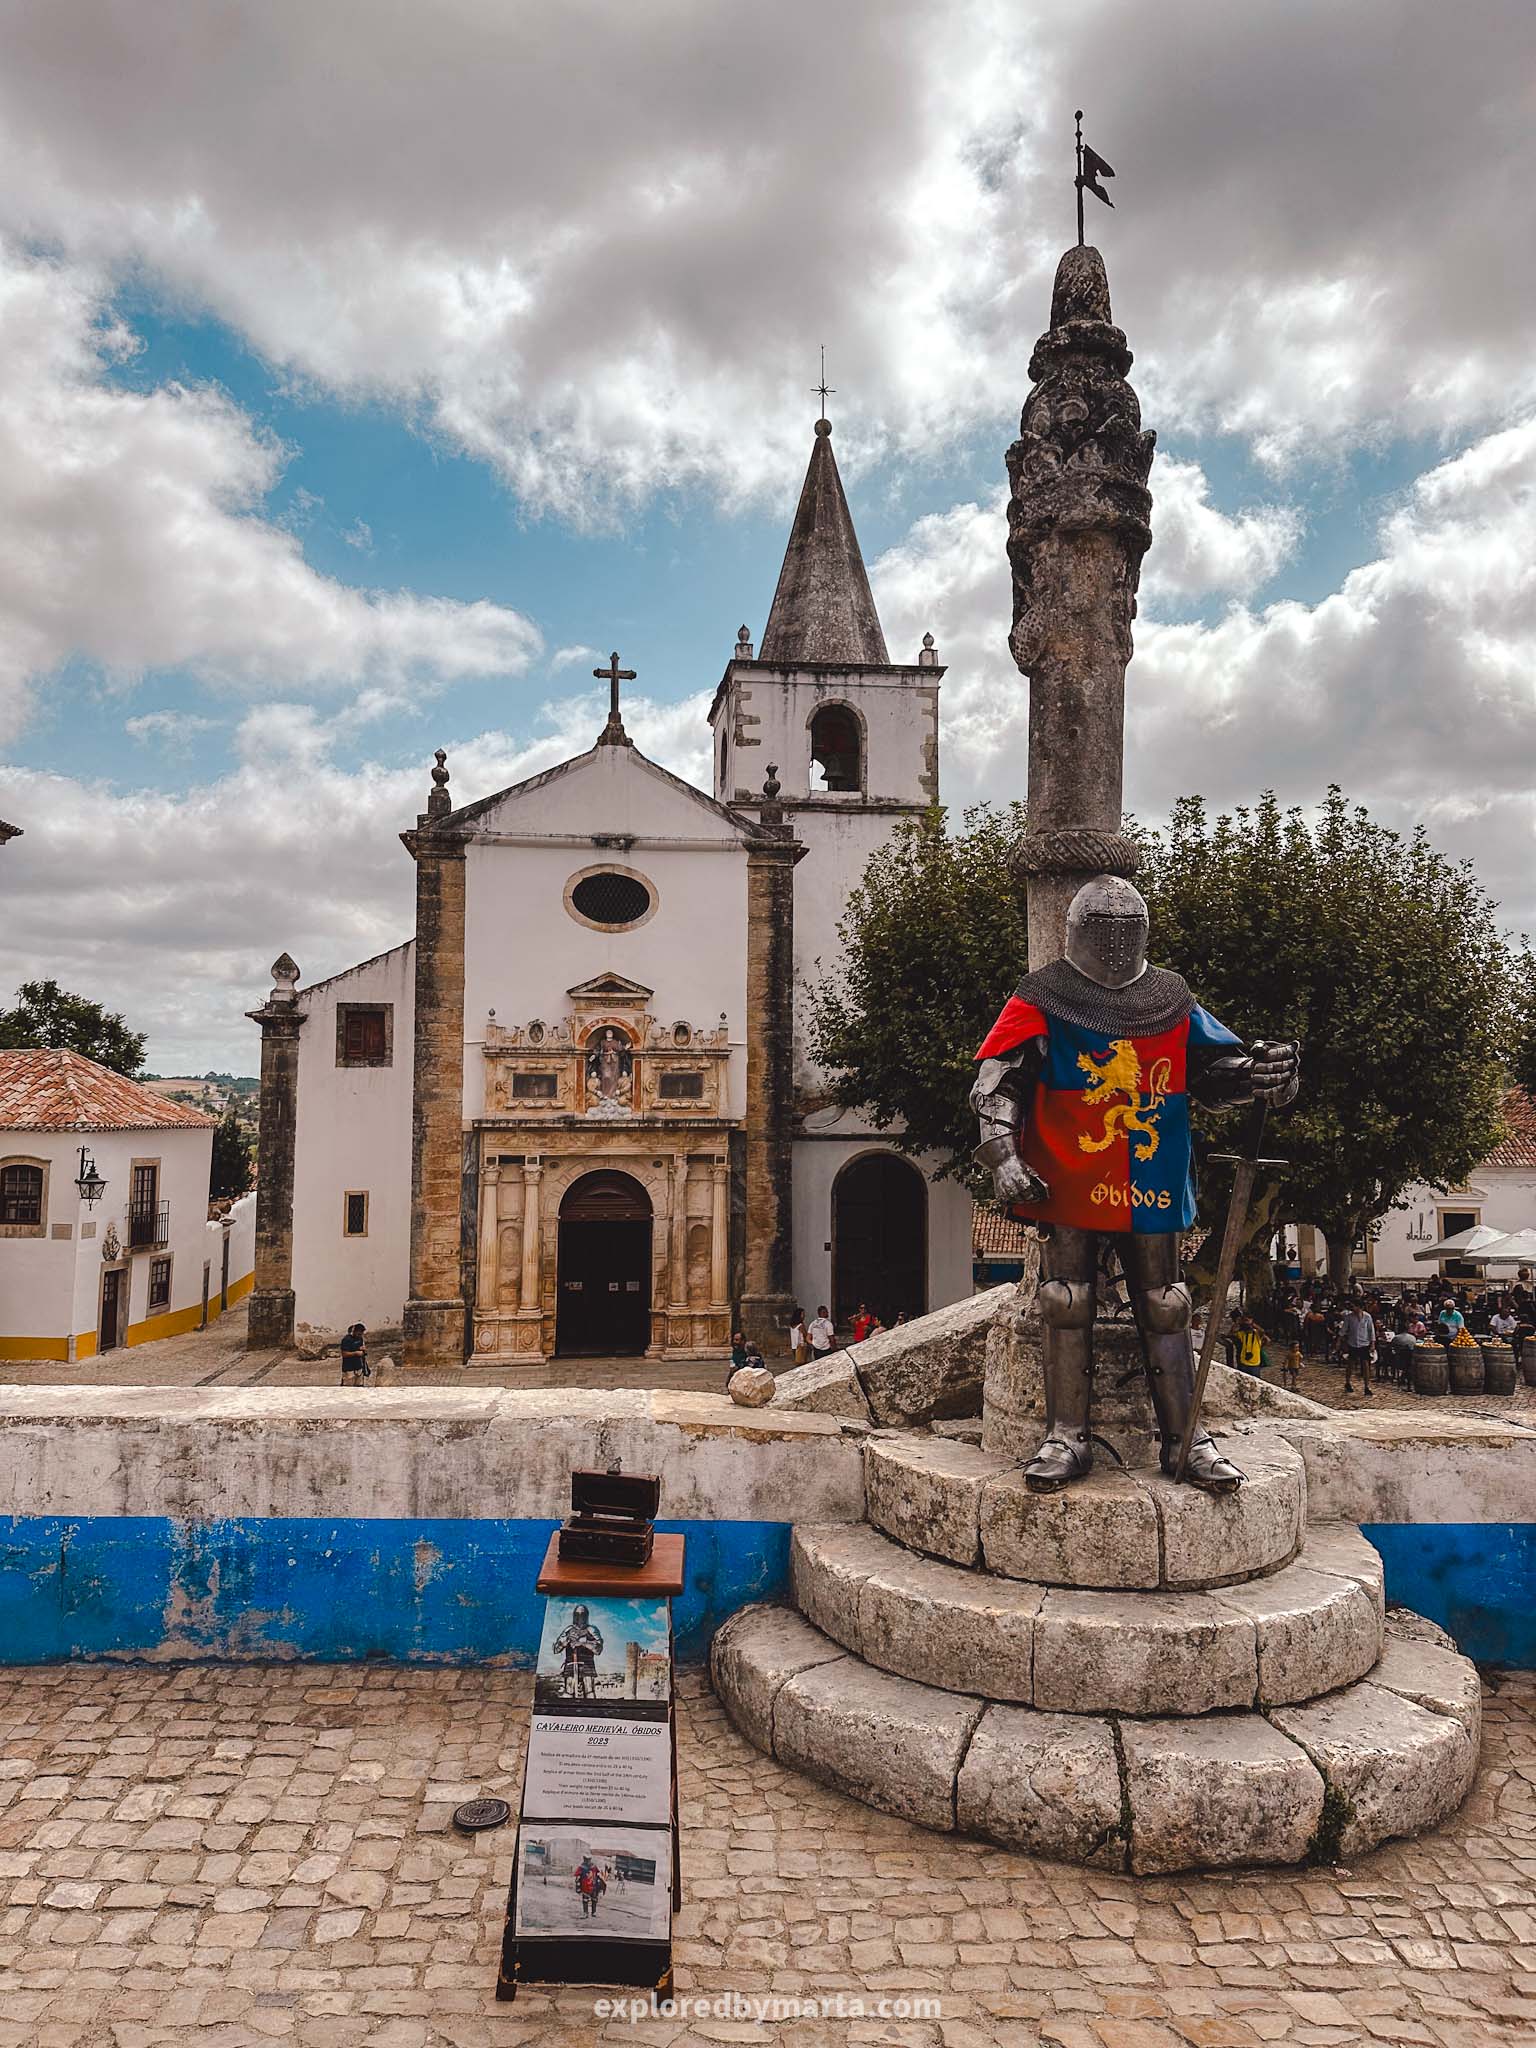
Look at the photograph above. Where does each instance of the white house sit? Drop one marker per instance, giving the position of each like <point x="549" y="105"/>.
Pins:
<point x="104" y="1231"/>
<point x="577" y="1112"/>
<point x="1501" y="1194"/>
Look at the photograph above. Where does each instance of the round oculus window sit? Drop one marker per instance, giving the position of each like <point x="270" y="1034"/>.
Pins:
<point x="611" y="898"/>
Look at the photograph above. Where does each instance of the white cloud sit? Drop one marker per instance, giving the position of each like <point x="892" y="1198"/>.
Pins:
<point x="567" y="657"/>
<point x="622" y="294"/>
<point x="171" y="906"/>
<point x="173" y="731"/>
<point x="132" y="534"/>
<point x="1413" y="685"/>
<point x="1197" y="550"/>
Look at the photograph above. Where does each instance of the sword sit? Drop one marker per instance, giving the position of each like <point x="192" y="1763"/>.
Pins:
<point x="1249" y="1164"/>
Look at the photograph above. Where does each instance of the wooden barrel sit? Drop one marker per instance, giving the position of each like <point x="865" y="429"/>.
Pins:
<point x="1498" y="1368"/>
<point x="1528" y="1362"/>
<point x="1429" y="1369"/>
<point x="1465" y="1364"/>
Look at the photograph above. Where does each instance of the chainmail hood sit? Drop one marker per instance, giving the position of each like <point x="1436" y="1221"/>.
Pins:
<point x="1155" y="1001"/>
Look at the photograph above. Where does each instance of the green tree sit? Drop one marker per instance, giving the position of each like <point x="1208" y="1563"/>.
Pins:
<point x="46" y="1015"/>
<point x="231" y="1173"/>
<point x="1523" y="1057"/>
<point x="935" y="940"/>
<point x="1380" y="956"/>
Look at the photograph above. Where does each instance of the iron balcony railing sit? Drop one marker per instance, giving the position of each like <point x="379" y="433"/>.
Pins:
<point x="149" y="1223"/>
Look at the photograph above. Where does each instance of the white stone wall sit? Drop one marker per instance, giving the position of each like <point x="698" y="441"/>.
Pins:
<point x="37" y="1274"/>
<point x="354" y="1133"/>
<point x="815" y="1165"/>
<point x="523" y="948"/>
<point x="1505" y="1195"/>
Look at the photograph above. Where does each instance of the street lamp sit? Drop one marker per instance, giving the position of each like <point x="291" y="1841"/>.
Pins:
<point x="90" y="1183"/>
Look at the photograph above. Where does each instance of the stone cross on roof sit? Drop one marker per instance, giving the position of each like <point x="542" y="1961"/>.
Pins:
<point x="613" y="733"/>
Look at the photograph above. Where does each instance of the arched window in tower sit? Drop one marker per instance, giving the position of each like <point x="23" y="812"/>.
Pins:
<point x="837" y="750"/>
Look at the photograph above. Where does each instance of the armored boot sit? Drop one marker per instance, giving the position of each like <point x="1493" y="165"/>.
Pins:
<point x="1066" y="1312"/>
<point x="1162" y="1308"/>
<point x="1171" y="1373"/>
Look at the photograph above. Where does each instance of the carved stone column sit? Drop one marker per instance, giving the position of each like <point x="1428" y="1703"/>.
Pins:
<point x="433" y="1322"/>
<point x="678" y="1247"/>
<point x="532" y="1293"/>
<point x="488" y="1265"/>
<point x="771" y="856"/>
<point x="719" y="1235"/>
<point x="1078" y="526"/>
<point x="272" y="1301"/>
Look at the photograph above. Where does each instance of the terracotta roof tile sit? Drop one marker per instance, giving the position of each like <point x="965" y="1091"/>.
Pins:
<point x="48" y="1090"/>
<point x="995" y="1235"/>
<point x="1519" y="1147"/>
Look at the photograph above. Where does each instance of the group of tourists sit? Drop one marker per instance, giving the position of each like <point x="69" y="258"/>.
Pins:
<point x="1368" y="1331"/>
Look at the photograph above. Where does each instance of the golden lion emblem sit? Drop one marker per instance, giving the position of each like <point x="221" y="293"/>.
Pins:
<point x="1119" y="1073"/>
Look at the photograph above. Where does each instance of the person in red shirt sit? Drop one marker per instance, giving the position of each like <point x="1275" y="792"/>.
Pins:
<point x="863" y="1322"/>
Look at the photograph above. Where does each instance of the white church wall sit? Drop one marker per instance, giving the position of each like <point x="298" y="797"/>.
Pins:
<point x="815" y="1165"/>
<point x="354" y="1135"/>
<point x="524" y="949"/>
<point x="897" y="712"/>
<point x="841" y="845"/>
<point x="1504" y="1197"/>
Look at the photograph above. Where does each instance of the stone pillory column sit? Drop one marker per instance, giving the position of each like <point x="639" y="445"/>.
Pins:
<point x="772" y="853"/>
<point x="1078" y="525"/>
<point x="280" y="1018"/>
<point x="434" y="1322"/>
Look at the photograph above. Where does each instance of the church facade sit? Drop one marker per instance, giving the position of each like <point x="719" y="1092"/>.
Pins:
<point x="578" y="1113"/>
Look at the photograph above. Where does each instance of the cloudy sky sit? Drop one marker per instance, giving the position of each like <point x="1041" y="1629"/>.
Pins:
<point x="365" y="370"/>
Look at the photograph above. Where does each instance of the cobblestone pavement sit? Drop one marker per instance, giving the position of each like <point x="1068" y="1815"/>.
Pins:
<point x="217" y="1357"/>
<point x="244" y="1855"/>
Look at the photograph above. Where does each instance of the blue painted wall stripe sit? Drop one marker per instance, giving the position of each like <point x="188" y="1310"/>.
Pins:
<point x="442" y="1591"/>
<point x="463" y="1591"/>
<point x="1477" y="1579"/>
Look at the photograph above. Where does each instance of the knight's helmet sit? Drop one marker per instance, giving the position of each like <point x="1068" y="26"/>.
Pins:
<point x="1107" y="931"/>
<point x="580" y="1617"/>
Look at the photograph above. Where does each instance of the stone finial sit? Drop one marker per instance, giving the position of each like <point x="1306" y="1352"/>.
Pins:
<point x="744" y="645"/>
<point x="439" y="803"/>
<point x="1080" y="463"/>
<point x="929" y="655"/>
<point x="771" y="783"/>
<point x="285" y="979"/>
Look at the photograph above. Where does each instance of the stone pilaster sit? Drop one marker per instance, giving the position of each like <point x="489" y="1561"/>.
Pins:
<point x="272" y="1299"/>
<point x="434" y="1319"/>
<point x="719" y="1235"/>
<point x="771" y="856"/>
<point x="1078" y="525"/>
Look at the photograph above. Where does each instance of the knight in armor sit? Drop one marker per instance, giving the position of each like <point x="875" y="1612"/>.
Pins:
<point x="1083" y="1091"/>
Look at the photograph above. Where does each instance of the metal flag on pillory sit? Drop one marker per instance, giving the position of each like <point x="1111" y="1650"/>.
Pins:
<point x="1090" y="168"/>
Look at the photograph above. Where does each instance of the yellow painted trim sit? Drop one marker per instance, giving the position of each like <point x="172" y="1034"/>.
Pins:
<point x="34" y="1347"/>
<point x="85" y="1345"/>
<point x="174" y="1322"/>
<point x="239" y="1289"/>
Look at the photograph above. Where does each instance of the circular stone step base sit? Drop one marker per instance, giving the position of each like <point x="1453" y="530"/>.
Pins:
<point x="1301" y="1632"/>
<point x="1113" y="1530"/>
<point x="1390" y="1756"/>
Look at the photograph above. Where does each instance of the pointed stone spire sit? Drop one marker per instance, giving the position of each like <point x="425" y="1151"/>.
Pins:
<point x="822" y="610"/>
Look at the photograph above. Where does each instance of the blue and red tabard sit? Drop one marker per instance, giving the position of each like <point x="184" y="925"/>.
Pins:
<point x="1108" y="1127"/>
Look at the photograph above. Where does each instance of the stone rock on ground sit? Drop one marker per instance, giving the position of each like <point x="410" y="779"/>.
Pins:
<point x="1229" y="1790"/>
<point x="313" y="1340"/>
<point x="751" y="1386"/>
<point x="923" y="1371"/>
<point x="1045" y="1784"/>
<point x="827" y="1386"/>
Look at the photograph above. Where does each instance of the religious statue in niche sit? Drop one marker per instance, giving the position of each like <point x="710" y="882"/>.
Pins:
<point x="610" y="1073"/>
